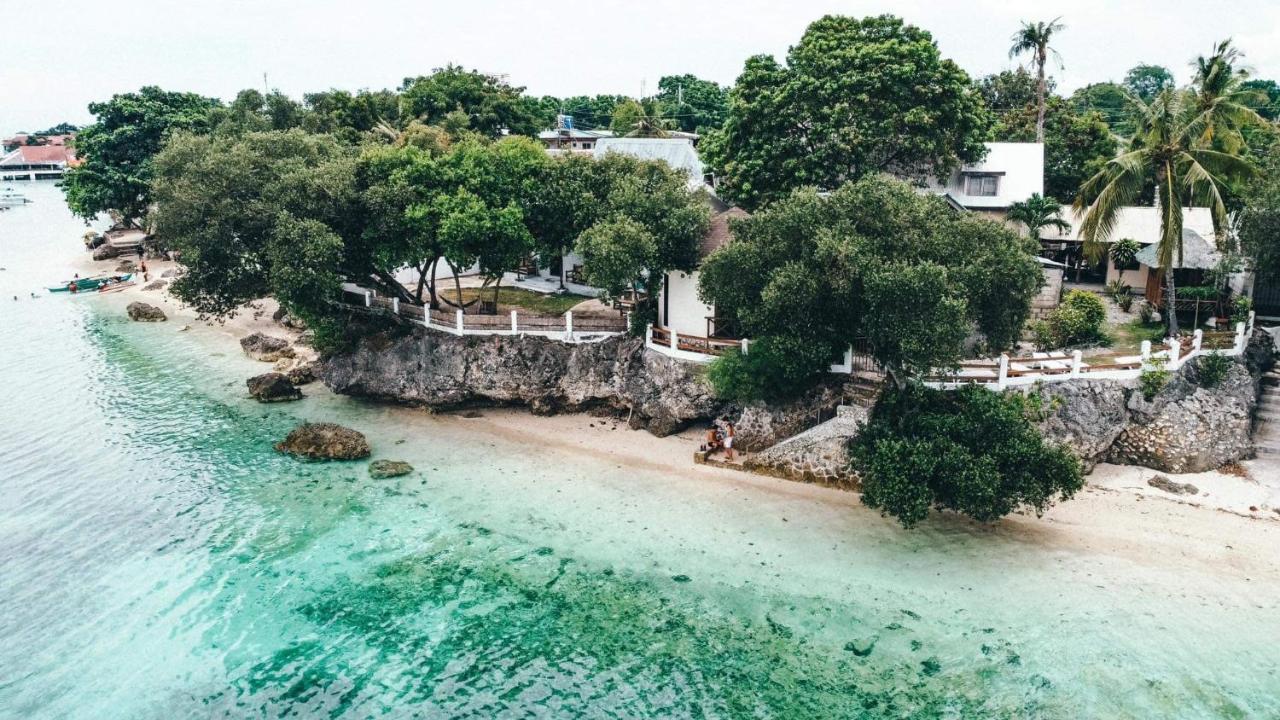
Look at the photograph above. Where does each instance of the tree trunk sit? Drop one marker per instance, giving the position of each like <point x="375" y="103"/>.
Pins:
<point x="431" y="286"/>
<point x="1170" y="304"/>
<point x="1041" y="59"/>
<point x="422" y="278"/>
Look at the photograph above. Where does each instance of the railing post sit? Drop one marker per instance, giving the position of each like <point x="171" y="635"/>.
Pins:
<point x="674" y="344"/>
<point x="395" y="305"/>
<point x="746" y="346"/>
<point x="367" y="298"/>
<point x="628" y="322"/>
<point x="1249" y="330"/>
<point x="1003" y="376"/>
<point x="1077" y="363"/>
<point x="1197" y="340"/>
<point x="648" y="334"/>
<point x="1146" y="350"/>
<point x="1175" y="348"/>
<point x="515" y="326"/>
<point x="568" y="324"/>
<point x="1240" y="337"/>
<point x="459" y="316"/>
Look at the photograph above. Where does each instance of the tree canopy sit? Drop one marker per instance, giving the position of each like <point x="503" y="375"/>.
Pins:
<point x="855" y="97"/>
<point x="1147" y="81"/>
<point x="694" y="104"/>
<point x="116" y="151"/>
<point x="488" y="102"/>
<point x="1076" y="144"/>
<point x="874" y="259"/>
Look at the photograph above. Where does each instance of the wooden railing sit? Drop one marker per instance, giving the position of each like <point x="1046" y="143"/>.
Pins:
<point x="660" y="339"/>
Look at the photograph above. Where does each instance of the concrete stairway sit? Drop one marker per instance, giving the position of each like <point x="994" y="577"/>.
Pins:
<point x="1266" y="435"/>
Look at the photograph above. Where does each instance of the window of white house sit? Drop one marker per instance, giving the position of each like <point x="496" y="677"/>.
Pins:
<point x="982" y="185"/>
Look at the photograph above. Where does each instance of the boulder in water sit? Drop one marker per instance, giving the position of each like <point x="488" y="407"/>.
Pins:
<point x="324" y="441"/>
<point x="142" y="312"/>
<point x="383" y="469"/>
<point x="272" y="387"/>
<point x="265" y="347"/>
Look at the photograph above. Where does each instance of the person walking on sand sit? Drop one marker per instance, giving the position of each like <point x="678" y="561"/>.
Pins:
<point x="728" y="442"/>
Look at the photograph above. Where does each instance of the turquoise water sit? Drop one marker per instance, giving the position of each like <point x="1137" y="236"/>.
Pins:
<point x="159" y="560"/>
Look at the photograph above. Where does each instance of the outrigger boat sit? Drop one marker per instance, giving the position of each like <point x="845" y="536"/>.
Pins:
<point x="90" y="283"/>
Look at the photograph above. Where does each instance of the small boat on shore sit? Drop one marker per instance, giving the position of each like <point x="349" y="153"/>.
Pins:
<point x="90" y="283"/>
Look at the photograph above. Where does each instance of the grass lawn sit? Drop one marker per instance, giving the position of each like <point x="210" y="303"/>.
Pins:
<point x="511" y="298"/>
<point x="1127" y="337"/>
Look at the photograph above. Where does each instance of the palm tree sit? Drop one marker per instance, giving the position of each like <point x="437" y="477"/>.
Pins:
<point x="1219" y="87"/>
<point x="1169" y="150"/>
<point x="1034" y="38"/>
<point x="1037" y="213"/>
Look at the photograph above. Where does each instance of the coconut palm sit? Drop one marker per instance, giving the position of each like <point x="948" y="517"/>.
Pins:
<point x="1169" y="150"/>
<point x="1220" y="87"/>
<point x="1037" y="213"/>
<point x="1034" y="38"/>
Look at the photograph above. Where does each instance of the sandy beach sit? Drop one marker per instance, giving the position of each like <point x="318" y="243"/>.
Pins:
<point x="1231" y="526"/>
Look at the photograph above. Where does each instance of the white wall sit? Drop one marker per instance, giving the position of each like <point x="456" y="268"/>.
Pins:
<point x="1023" y="168"/>
<point x="688" y="314"/>
<point x="1135" y="279"/>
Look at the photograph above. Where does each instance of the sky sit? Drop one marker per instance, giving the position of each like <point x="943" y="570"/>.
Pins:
<point x="52" y="66"/>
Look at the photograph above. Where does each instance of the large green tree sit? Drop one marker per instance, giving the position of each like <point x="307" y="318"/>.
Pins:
<point x="489" y="103"/>
<point x="1147" y="81"/>
<point x="253" y="110"/>
<point x="1111" y="101"/>
<point x="856" y="96"/>
<point x="971" y="451"/>
<point x="696" y="105"/>
<point x="350" y="117"/>
<point x="117" y="150"/>
<point x="874" y="259"/>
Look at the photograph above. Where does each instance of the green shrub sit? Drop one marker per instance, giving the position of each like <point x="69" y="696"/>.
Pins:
<point x="1124" y="252"/>
<point x="1077" y="321"/>
<point x="1197" y="292"/>
<point x="1125" y="302"/>
<point x="971" y="450"/>
<point x="1213" y="369"/>
<point x="1153" y="378"/>
<point x="1240" y="310"/>
<point x="642" y="316"/>
<point x="772" y="368"/>
<point x="1117" y="288"/>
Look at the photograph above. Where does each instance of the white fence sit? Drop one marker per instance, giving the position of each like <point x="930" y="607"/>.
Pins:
<point x="1004" y="371"/>
<point x="564" y="328"/>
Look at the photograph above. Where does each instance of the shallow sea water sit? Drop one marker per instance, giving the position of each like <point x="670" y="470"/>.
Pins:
<point x="159" y="560"/>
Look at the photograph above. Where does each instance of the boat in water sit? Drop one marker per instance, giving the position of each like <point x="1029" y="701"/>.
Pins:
<point x="91" y="283"/>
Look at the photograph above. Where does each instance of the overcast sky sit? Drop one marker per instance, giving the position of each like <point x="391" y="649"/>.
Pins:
<point x="53" y="63"/>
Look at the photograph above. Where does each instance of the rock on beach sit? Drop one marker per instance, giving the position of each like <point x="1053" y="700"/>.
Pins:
<point x="272" y="387"/>
<point x="324" y="441"/>
<point x="265" y="347"/>
<point x="383" y="469"/>
<point x="142" y="312"/>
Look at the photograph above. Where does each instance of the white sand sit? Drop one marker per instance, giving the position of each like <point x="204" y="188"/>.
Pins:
<point x="1117" y="514"/>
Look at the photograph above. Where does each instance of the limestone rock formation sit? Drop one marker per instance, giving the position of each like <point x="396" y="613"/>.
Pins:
<point x="272" y="387"/>
<point x="302" y="373"/>
<point x="324" y="441"/>
<point x="105" y="251"/>
<point x="383" y="469"/>
<point x="265" y="347"/>
<point x="142" y="312"/>
<point x="126" y="266"/>
<point x="157" y="285"/>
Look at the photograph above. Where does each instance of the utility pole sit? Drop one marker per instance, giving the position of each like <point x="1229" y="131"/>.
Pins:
<point x="265" y="89"/>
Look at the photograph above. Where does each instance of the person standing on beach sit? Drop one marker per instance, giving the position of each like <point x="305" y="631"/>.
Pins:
<point x="728" y="442"/>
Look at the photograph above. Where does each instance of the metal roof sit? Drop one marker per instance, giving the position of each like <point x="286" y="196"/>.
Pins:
<point x="679" y="153"/>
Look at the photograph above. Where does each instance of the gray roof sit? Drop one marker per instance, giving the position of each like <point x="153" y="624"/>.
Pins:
<point x="574" y="133"/>
<point x="679" y="153"/>
<point x="1197" y="253"/>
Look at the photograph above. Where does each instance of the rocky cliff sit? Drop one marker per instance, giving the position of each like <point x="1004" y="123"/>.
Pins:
<point x="1186" y="427"/>
<point x="657" y="393"/>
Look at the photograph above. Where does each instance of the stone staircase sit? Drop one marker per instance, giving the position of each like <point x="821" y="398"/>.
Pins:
<point x="1266" y="436"/>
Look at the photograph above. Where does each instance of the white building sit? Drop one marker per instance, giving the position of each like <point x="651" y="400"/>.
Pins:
<point x="1141" y="224"/>
<point x="679" y="307"/>
<point x="678" y="152"/>
<point x="1011" y="172"/>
